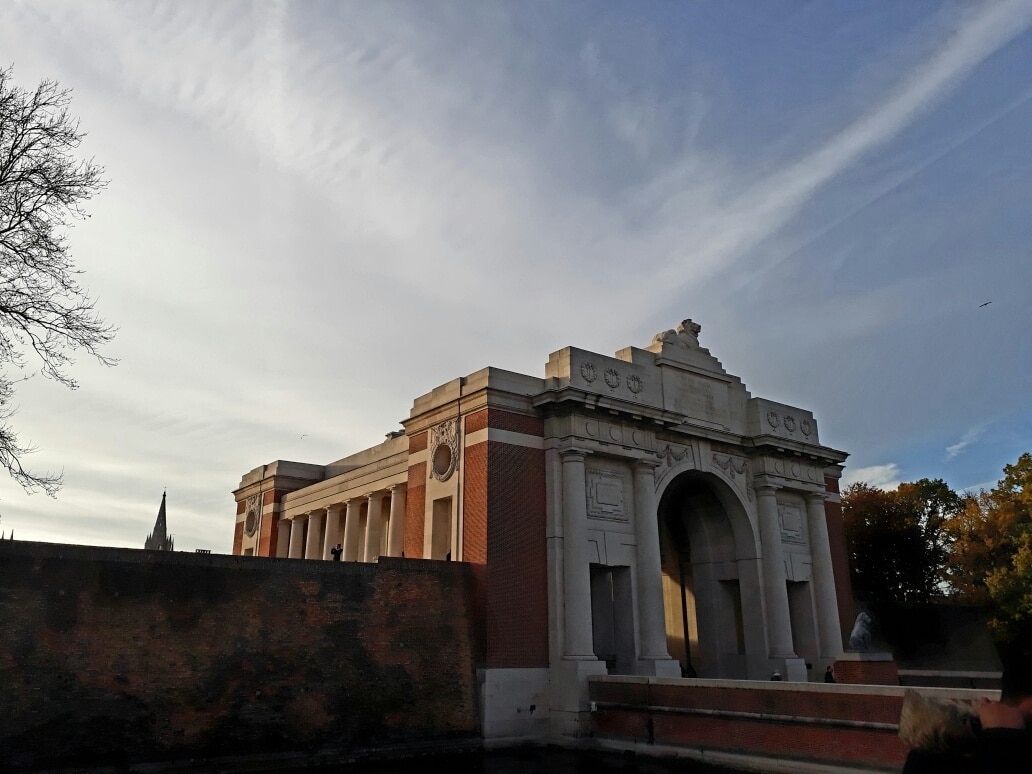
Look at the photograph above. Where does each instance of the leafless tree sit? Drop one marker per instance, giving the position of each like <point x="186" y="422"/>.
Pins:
<point x="44" y="313"/>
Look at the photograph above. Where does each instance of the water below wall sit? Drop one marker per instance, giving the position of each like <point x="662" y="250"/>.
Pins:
<point x="535" y="760"/>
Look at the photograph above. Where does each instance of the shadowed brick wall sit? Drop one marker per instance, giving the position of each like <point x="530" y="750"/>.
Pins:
<point x="504" y="537"/>
<point x="843" y="725"/>
<point x="116" y="655"/>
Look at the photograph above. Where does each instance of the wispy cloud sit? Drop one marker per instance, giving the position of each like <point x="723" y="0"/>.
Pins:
<point x="966" y="440"/>
<point x="765" y="207"/>
<point x="887" y="476"/>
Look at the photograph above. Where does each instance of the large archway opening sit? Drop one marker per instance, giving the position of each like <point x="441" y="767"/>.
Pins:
<point x="704" y="568"/>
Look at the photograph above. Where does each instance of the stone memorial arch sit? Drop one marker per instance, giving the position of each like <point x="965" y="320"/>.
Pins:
<point x="640" y="514"/>
<point x="689" y="522"/>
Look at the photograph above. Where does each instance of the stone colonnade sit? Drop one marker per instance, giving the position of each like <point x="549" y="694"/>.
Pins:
<point x="577" y="644"/>
<point x="359" y="531"/>
<point x="779" y="624"/>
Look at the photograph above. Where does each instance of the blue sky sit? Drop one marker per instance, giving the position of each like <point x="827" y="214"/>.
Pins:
<point x="318" y="211"/>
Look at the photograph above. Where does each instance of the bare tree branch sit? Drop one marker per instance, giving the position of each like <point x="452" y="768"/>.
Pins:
<point x="44" y="312"/>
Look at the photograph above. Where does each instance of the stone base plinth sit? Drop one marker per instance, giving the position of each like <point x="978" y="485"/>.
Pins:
<point x="866" y="669"/>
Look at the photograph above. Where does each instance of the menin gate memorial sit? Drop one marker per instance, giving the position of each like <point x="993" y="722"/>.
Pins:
<point x="641" y="514"/>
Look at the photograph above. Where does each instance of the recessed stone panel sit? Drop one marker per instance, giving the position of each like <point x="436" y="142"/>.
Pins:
<point x="697" y="397"/>
<point x="607" y="494"/>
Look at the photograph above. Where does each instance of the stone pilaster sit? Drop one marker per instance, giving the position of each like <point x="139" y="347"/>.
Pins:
<point x="332" y="530"/>
<point x="576" y="575"/>
<point x="830" y="636"/>
<point x="651" y="621"/>
<point x="396" y="525"/>
<point x="313" y="546"/>
<point x="352" y="531"/>
<point x="374" y="528"/>
<point x="779" y="622"/>
<point x="297" y="536"/>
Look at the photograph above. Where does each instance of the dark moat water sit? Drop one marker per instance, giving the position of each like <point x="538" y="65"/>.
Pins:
<point x="536" y="760"/>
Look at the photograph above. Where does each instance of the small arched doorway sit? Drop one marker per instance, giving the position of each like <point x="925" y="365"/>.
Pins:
<point x="706" y="563"/>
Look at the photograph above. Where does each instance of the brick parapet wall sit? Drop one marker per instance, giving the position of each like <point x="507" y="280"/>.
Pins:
<point x="121" y="655"/>
<point x="499" y="419"/>
<point x="415" y="511"/>
<point x="831" y="724"/>
<point x="867" y="672"/>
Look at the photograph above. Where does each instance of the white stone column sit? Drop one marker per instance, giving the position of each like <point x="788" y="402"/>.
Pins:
<point x="352" y="541"/>
<point x="332" y="530"/>
<point x="282" y="536"/>
<point x="396" y="525"/>
<point x="576" y="573"/>
<point x="297" y="532"/>
<point x="775" y="592"/>
<point x="823" y="577"/>
<point x="313" y="546"/>
<point x="651" y="620"/>
<point x="374" y="528"/>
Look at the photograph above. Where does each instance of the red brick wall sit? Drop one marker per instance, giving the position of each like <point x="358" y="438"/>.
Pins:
<point x="867" y="672"/>
<point x="238" y="537"/>
<point x="416" y="443"/>
<point x="415" y="510"/>
<point x="833" y="725"/>
<point x="476" y="421"/>
<point x="113" y="656"/>
<point x="517" y="423"/>
<point x="516" y="600"/>
<point x="474" y="504"/>
<point x="268" y="538"/>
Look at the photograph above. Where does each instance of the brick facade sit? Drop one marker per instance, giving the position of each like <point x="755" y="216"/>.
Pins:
<point x="517" y="573"/>
<point x="415" y="514"/>
<point x="111" y="656"/>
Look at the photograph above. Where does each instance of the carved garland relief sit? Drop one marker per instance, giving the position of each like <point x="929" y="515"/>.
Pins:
<point x="252" y="514"/>
<point x="444" y="449"/>
<point x="672" y="454"/>
<point x="734" y="467"/>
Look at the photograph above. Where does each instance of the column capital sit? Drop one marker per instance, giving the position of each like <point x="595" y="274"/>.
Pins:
<point x="645" y="466"/>
<point x="767" y="490"/>
<point x="392" y="487"/>
<point x="815" y="497"/>
<point x="573" y="454"/>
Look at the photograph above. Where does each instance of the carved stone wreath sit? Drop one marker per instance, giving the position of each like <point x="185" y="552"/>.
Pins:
<point x="252" y="512"/>
<point x="444" y="449"/>
<point x="588" y="372"/>
<point x="806" y="426"/>
<point x="634" y="383"/>
<point x="612" y="377"/>
<point x="790" y="424"/>
<point x="772" y="419"/>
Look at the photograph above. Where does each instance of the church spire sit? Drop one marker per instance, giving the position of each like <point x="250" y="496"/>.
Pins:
<point x="159" y="539"/>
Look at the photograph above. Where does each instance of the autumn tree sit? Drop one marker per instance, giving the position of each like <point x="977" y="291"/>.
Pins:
<point x="897" y="541"/>
<point x="991" y="558"/>
<point x="45" y="315"/>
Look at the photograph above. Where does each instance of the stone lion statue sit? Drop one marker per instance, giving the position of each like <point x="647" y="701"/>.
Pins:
<point x="686" y="335"/>
<point x="860" y="637"/>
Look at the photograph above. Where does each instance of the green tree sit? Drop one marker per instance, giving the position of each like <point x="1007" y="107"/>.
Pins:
<point x="45" y="315"/>
<point x="897" y="540"/>
<point x="991" y="559"/>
